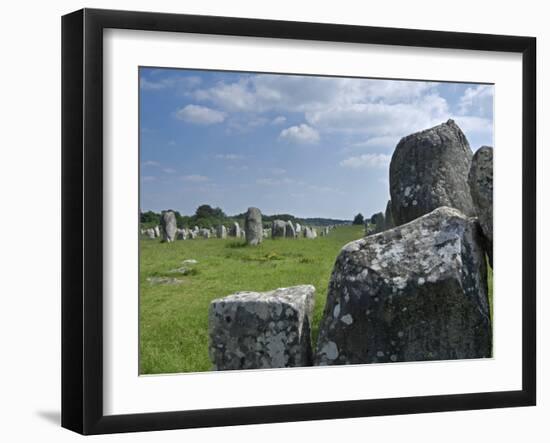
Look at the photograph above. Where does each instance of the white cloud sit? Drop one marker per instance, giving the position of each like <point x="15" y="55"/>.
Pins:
<point x="300" y="134"/>
<point x="169" y="170"/>
<point x="475" y="125"/>
<point x="180" y="82"/>
<point x="150" y="163"/>
<point x="477" y="100"/>
<point x="386" y="142"/>
<point x="367" y="161"/>
<point x="195" y="178"/>
<point x="275" y="181"/>
<point x="148" y="178"/>
<point x="278" y="120"/>
<point x="200" y="115"/>
<point x="229" y="156"/>
<point x="277" y="171"/>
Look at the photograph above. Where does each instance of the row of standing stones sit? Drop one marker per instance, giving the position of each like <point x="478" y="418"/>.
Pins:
<point x="253" y="230"/>
<point x="414" y="290"/>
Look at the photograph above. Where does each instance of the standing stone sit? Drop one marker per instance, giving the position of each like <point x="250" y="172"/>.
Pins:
<point x="377" y="224"/>
<point x="278" y="229"/>
<point x="235" y="230"/>
<point x="266" y="233"/>
<point x="192" y="235"/>
<point x="290" y="231"/>
<point x="181" y="234"/>
<point x="252" y="330"/>
<point x="481" y="188"/>
<point x="415" y="292"/>
<point x="222" y="232"/>
<point x="253" y="227"/>
<point x="388" y="217"/>
<point x="204" y="233"/>
<point x="310" y="232"/>
<point x="298" y="229"/>
<point x="168" y="226"/>
<point x="157" y="231"/>
<point x="150" y="233"/>
<point x="430" y="169"/>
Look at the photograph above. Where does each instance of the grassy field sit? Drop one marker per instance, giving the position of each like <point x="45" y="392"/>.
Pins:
<point x="174" y="315"/>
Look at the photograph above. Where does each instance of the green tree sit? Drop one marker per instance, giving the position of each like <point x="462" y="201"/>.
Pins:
<point x="358" y="219"/>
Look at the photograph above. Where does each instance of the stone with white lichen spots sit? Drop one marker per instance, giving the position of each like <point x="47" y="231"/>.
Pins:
<point x="168" y="226"/>
<point x="253" y="226"/>
<point x="415" y="292"/>
<point x="430" y="169"/>
<point x="260" y="330"/>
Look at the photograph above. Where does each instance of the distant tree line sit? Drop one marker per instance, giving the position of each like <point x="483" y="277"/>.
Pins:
<point x="207" y="217"/>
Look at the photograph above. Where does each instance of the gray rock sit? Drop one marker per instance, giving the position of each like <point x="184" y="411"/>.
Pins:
<point x="253" y="227"/>
<point x="388" y="217"/>
<point x="157" y="231"/>
<point x="256" y="330"/>
<point x="192" y="235"/>
<point x="278" y="229"/>
<point x="378" y="220"/>
<point x="150" y="233"/>
<point x="181" y="234"/>
<point x="290" y="232"/>
<point x="298" y="229"/>
<point x="481" y="188"/>
<point x="266" y="233"/>
<point x="168" y="226"/>
<point x="430" y="169"/>
<point x="310" y="232"/>
<point x="222" y="232"/>
<point x="235" y="230"/>
<point x="205" y="233"/>
<point x="415" y="292"/>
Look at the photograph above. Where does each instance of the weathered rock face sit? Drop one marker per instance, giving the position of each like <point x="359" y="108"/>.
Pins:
<point x="481" y="188"/>
<point x="278" y="229"/>
<point x="388" y="217"/>
<point x="204" y="233"/>
<point x="191" y="235"/>
<point x="157" y="231"/>
<point x="251" y="330"/>
<point x="290" y="231"/>
<point x="235" y="230"/>
<point x="430" y="169"/>
<point x="415" y="292"/>
<point x="310" y="232"/>
<point x="378" y="221"/>
<point x="150" y="233"/>
<point x="181" y="234"/>
<point x="168" y="226"/>
<point x="298" y="228"/>
<point x="222" y="232"/>
<point x="253" y="227"/>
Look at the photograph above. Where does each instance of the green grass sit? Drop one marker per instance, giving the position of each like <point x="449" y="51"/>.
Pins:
<point x="174" y="317"/>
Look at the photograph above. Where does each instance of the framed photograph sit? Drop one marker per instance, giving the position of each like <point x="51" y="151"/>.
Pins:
<point x="269" y="221"/>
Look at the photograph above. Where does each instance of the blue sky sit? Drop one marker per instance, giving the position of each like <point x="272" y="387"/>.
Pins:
<point x="305" y="145"/>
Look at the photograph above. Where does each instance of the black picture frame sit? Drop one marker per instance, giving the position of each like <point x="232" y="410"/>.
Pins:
<point x="82" y="218"/>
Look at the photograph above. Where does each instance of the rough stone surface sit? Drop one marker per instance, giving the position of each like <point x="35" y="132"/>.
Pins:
<point x="481" y="188"/>
<point x="415" y="292"/>
<point x="251" y="330"/>
<point x="222" y="231"/>
<point x="157" y="231"/>
<point x="278" y="229"/>
<point x="310" y="232"/>
<point x="235" y="230"/>
<point x="205" y="233"/>
<point x="168" y="226"/>
<point x="253" y="227"/>
<point x="191" y="235"/>
<point x="290" y="231"/>
<point x="298" y="228"/>
<point x="388" y="217"/>
<point x="379" y="222"/>
<point x="430" y="169"/>
<point x="150" y="233"/>
<point x="181" y="234"/>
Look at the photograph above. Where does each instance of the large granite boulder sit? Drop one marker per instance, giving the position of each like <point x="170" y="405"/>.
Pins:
<point x="481" y="188"/>
<point x="256" y="330"/>
<point x="415" y="292"/>
<point x="253" y="227"/>
<point x="278" y="229"/>
<point x="222" y="231"/>
<point x="290" y="232"/>
<point x="168" y="226"/>
<point x="430" y="169"/>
